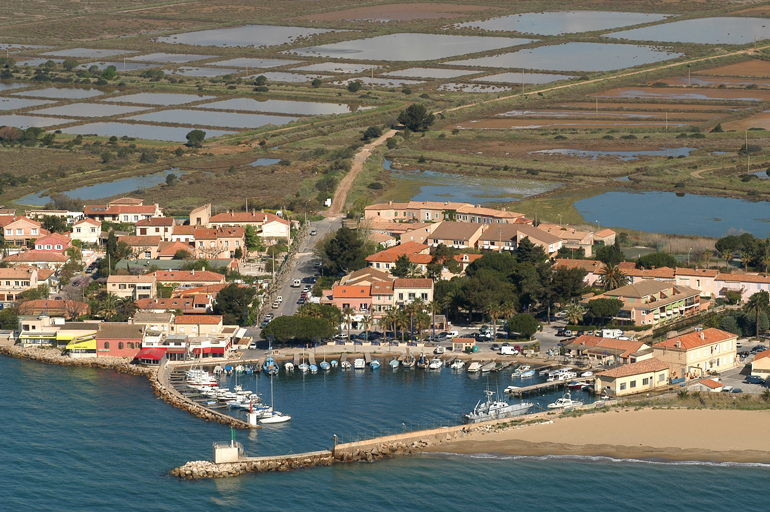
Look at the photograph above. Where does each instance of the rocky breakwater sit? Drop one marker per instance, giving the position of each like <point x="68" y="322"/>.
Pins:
<point x="123" y="365"/>
<point x="205" y="469"/>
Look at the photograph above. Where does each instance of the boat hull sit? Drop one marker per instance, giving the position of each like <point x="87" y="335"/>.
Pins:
<point x="509" y="412"/>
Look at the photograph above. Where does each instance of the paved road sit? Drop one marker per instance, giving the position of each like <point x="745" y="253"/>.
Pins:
<point x="304" y="268"/>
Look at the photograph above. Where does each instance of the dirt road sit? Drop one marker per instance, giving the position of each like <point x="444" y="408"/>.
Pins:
<point x="341" y="194"/>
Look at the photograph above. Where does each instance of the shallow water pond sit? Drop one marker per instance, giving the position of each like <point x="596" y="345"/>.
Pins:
<point x="574" y="57"/>
<point x="211" y="118"/>
<point x="410" y="47"/>
<point x="171" y="58"/>
<point x="563" y="22"/>
<point x="247" y="35"/>
<point x="527" y="78"/>
<point x="429" y="73"/>
<point x="159" y="98"/>
<point x="309" y="108"/>
<point x="721" y="30"/>
<point x="89" y="110"/>
<point x="88" y="53"/>
<point x="139" y="131"/>
<point x="61" y="93"/>
<point x="23" y="121"/>
<point x="246" y="62"/>
<point x="7" y="104"/>
<point x="264" y="162"/>
<point x="625" y="156"/>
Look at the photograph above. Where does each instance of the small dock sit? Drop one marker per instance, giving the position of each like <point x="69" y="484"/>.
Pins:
<point x="547" y="386"/>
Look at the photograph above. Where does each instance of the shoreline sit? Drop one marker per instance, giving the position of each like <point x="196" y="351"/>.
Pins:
<point x="122" y="365"/>
<point x="677" y="434"/>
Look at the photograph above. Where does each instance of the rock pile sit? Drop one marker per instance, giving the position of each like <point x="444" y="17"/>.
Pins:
<point x="205" y="469"/>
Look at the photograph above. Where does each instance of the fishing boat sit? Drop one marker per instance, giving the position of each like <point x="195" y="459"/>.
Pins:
<point x="458" y="364"/>
<point x="324" y="366"/>
<point x="239" y="370"/>
<point x="374" y="364"/>
<point x="273" y="416"/>
<point x="521" y="369"/>
<point x="359" y="363"/>
<point x="409" y="361"/>
<point x="589" y="373"/>
<point x="288" y="366"/>
<point x="335" y="363"/>
<point x="304" y="367"/>
<point x="313" y="368"/>
<point x="525" y="375"/>
<point x="218" y="370"/>
<point x="435" y="364"/>
<point x="394" y="364"/>
<point x="345" y="365"/>
<point x="423" y="362"/>
<point x="228" y="369"/>
<point x="565" y="402"/>
<point x="248" y="369"/>
<point x="474" y="367"/>
<point x="494" y="408"/>
<point x="575" y="385"/>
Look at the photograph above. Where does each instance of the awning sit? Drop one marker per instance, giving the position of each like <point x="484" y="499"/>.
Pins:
<point x="151" y="354"/>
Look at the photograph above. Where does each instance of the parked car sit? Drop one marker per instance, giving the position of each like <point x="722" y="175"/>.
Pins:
<point x="495" y="346"/>
<point x="253" y="345"/>
<point x="313" y="232"/>
<point x="753" y="379"/>
<point x="736" y="390"/>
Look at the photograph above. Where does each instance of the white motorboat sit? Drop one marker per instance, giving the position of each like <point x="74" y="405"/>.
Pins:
<point x="345" y="365"/>
<point x="394" y="364"/>
<point x="494" y="408"/>
<point x="435" y="364"/>
<point x="458" y="364"/>
<point x="218" y="370"/>
<point x="288" y="366"/>
<point x="565" y="402"/>
<point x="511" y="389"/>
<point x="474" y="367"/>
<point x="589" y="373"/>
<point x="304" y="367"/>
<point x="240" y="369"/>
<point x="359" y="363"/>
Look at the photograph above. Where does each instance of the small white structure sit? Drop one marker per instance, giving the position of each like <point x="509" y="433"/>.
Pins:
<point x="227" y="452"/>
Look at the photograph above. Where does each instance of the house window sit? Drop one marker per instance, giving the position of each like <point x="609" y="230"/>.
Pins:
<point x="622" y="386"/>
<point x="400" y="296"/>
<point x="120" y="345"/>
<point x="19" y="231"/>
<point x="147" y="255"/>
<point x="58" y="247"/>
<point x="93" y="230"/>
<point x="34" y="231"/>
<point x="645" y="382"/>
<point x="8" y="231"/>
<point x="633" y="383"/>
<point x="77" y="230"/>
<point x="107" y="345"/>
<point x="424" y="296"/>
<point x="122" y="287"/>
<point x="130" y="345"/>
<point x="661" y="377"/>
<point x="181" y="329"/>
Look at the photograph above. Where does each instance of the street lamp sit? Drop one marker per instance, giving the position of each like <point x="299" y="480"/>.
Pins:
<point x="688" y="256"/>
<point x="598" y="227"/>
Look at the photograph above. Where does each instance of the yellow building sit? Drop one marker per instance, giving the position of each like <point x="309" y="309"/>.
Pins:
<point x="633" y="378"/>
<point x="700" y="353"/>
<point x="760" y="366"/>
<point x="82" y="346"/>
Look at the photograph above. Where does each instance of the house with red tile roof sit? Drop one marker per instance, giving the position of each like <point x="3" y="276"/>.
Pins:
<point x="418" y="254"/>
<point x="55" y="242"/>
<point x="571" y="238"/>
<point x="608" y="350"/>
<point x="653" y="302"/>
<point x="459" y="235"/>
<point x="87" y="231"/>
<point x="640" y="377"/>
<point x="760" y="365"/>
<point x="142" y="247"/>
<point x="155" y="226"/>
<point x="271" y="226"/>
<point x="188" y="278"/>
<point x="69" y="309"/>
<point x="703" y="279"/>
<point x="707" y="385"/>
<point x="193" y="305"/>
<point x="197" y="325"/>
<point x="167" y="250"/>
<point x="219" y="243"/>
<point x="592" y="267"/>
<point x="20" y="230"/>
<point x="356" y="297"/>
<point x="132" y="287"/>
<point x="14" y="281"/>
<point x="699" y="353"/>
<point x="184" y="234"/>
<point x="40" y="259"/>
<point x="635" y="275"/>
<point x="406" y="291"/>
<point x="126" y="210"/>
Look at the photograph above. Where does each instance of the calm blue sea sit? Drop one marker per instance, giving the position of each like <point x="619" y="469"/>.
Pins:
<point x="83" y="439"/>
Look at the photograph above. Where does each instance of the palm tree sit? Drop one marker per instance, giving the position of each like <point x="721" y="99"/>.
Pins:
<point x="402" y="322"/>
<point x="612" y="276"/>
<point x="508" y="310"/>
<point x="414" y="270"/>
<point x="347" y="315"/>
<point x="494" y="311"/>
<point x="414" y="307"/>
<point x="756" y="304"/>
<point x="366" y="320"/>
<point x="109" y="306"/>
<point x="707" y="254"/>
<point x="574" y="314"/>
<point x="434" y="307"/>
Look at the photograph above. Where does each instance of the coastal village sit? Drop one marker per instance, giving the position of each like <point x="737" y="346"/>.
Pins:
<point x="152" y="306"/>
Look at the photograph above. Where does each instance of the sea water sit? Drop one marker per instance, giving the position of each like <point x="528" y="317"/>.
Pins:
<point x="82" y="439"/>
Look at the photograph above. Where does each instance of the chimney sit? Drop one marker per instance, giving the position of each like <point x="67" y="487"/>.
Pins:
<point x="193" y="272"/>
<point x="702" y="336"/>
<point x="678" y="344"/>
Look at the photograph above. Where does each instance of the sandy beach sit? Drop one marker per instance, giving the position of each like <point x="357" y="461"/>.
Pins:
<point x="676" y="434"/>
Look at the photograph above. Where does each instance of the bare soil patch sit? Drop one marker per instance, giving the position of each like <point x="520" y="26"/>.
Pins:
<point x="397" y="12"/>
<point x="756" y="68"/>
<point x="534" y="124"/>
<point x="761" y="120"/>
<point x="760" y="10"/>
<point x="685" y="93"/>
<point x="625" y="114"/>
<point x="681" y="107"/>
<point x="713" y="81"/>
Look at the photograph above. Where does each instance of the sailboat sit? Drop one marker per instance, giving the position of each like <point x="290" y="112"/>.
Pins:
<point x="303" y="366"/>
<point x="271" y="415"/>
<point x="269" y="366"/>
<point x="323" y="364"/>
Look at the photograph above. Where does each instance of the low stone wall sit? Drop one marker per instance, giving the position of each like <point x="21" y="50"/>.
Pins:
<point x="123" y="365"/>
<point x="206" y="469"/>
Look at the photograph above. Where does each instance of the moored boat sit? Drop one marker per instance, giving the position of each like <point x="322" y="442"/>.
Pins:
<point x="374" y="364"/>
<point x="394" y="363"/>
<point x="288" y="366"/>
<point x="458" y="364"/>
<point x="474" y="367"/>
<point x="324" y="365"/>
<point x="435" y="364"/>
<point x="359" y="363"/>
<point x="345" y="365"/>
<point x="494" y="408"/>
<point x="565" y="402"/>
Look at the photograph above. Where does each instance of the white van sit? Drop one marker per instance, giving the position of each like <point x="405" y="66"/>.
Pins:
<point x="297" y="283"/>
<point x="508" y="351"/>
<point x="452" y="334"/>
<point x="612" y="333"/>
